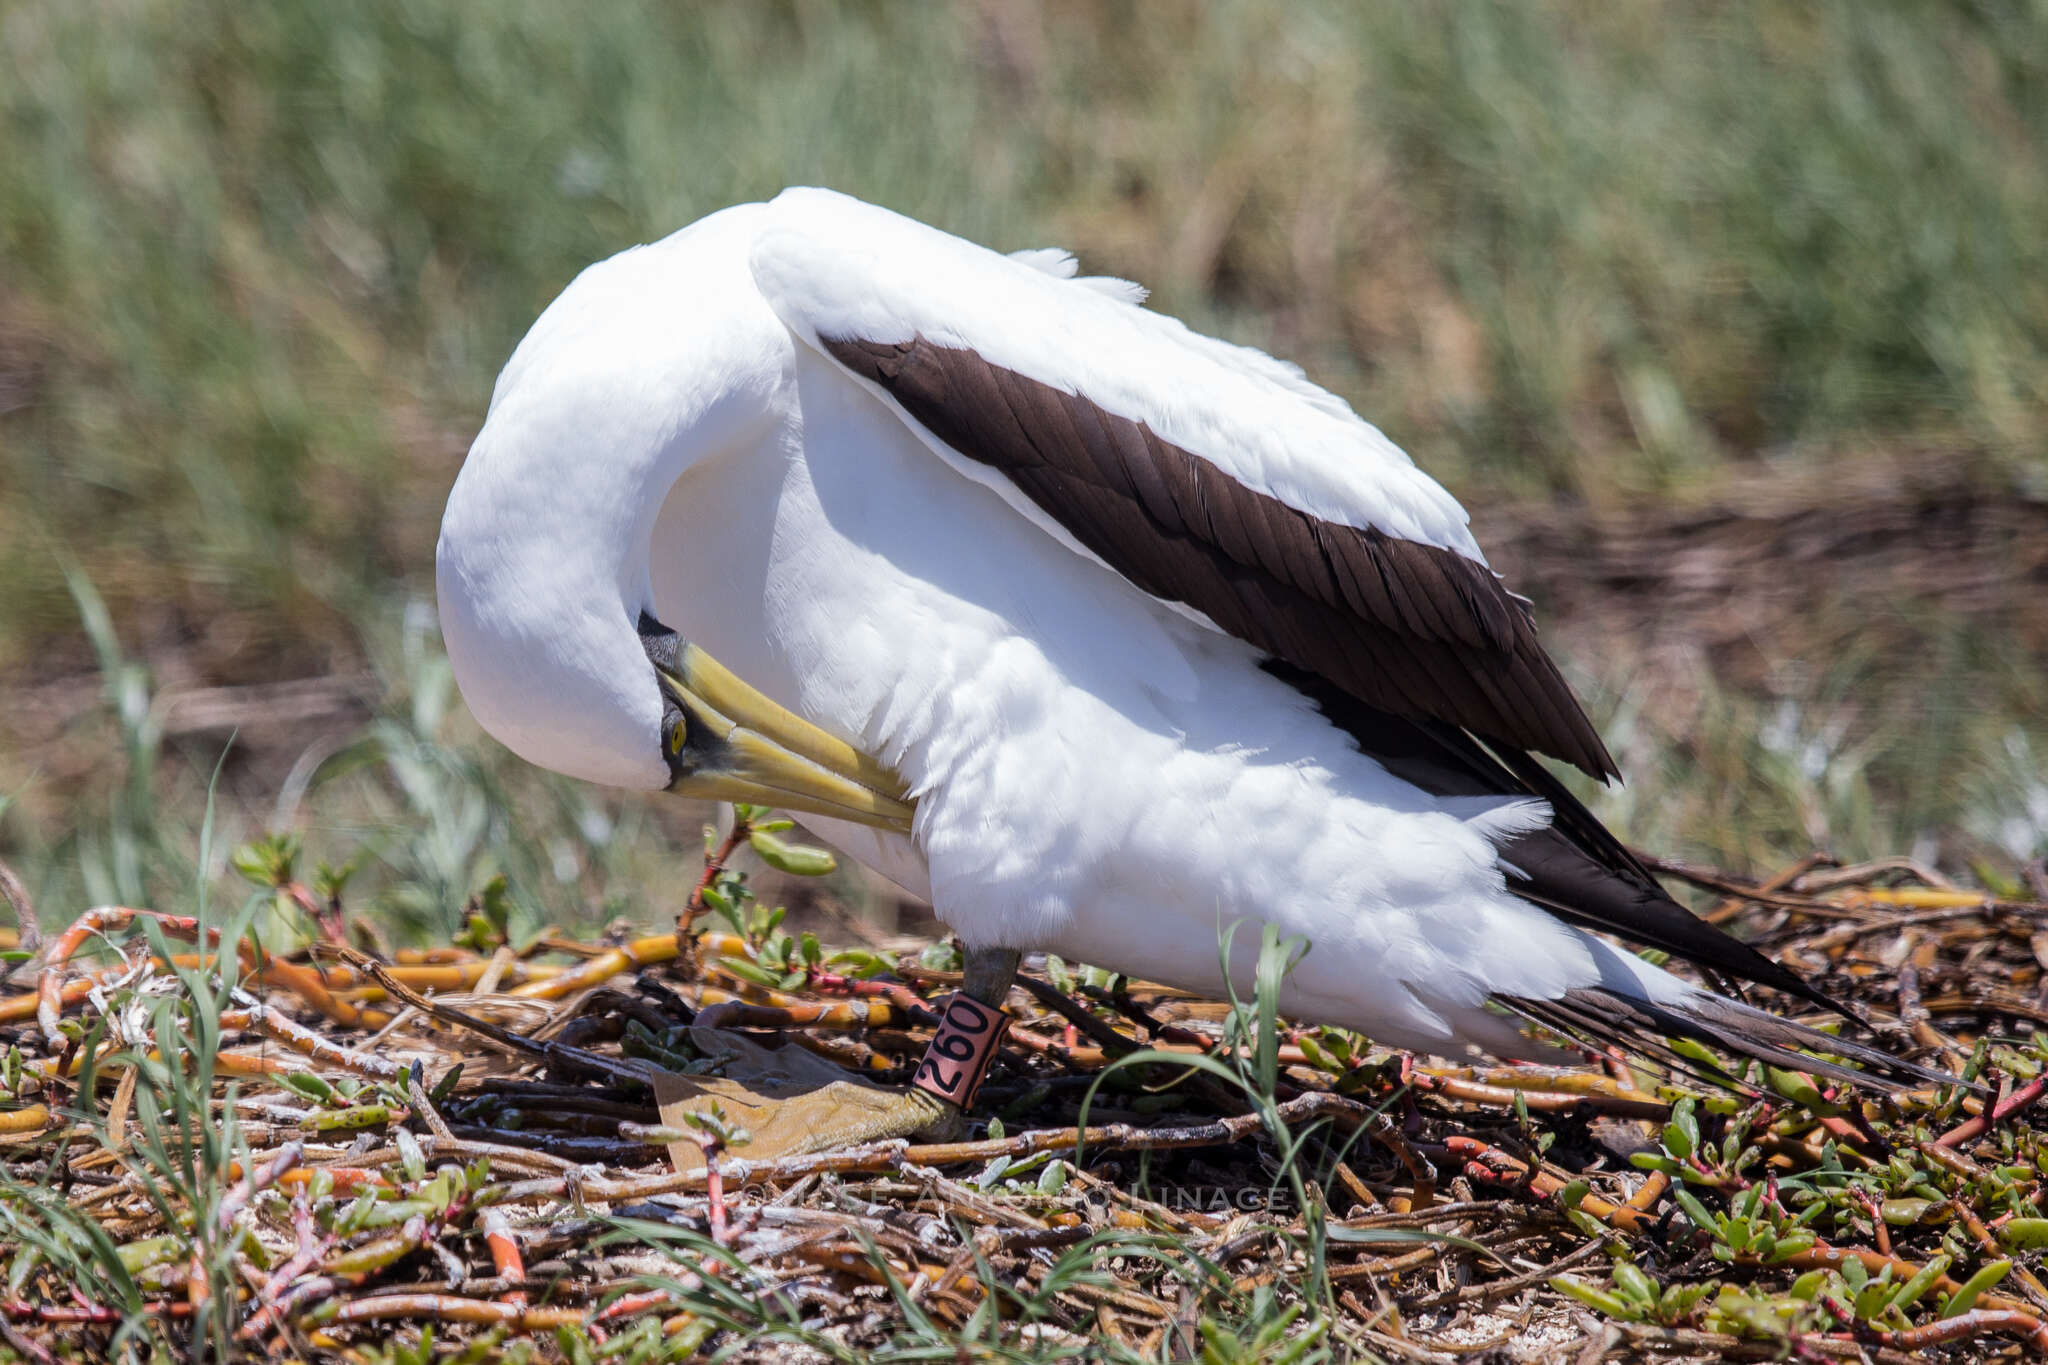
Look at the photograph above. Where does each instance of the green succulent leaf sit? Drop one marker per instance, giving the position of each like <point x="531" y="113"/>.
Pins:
<point x="747" y="970"/>
<point x="800" y="860"/>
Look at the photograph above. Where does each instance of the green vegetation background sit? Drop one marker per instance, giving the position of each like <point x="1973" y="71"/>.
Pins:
<point x="260" y="262"/>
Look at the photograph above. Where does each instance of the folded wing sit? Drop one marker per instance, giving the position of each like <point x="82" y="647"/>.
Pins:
<point x="1209" y="476"/>
<point x="1224" y="483"/>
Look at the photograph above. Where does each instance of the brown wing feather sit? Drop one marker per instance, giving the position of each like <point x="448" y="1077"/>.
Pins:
<point x="1412" y="629"/>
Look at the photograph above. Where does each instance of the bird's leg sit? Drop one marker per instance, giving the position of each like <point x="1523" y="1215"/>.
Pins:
<point x="990" y="973"/>
<point x="787" y="1113"/>
<point x="971" y="1025"/>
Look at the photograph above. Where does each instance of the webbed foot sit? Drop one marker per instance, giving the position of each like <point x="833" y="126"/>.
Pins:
<point x="790" y="1102"/>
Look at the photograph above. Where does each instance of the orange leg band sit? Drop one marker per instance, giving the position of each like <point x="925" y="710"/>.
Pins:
<point x="960" y="1052"/>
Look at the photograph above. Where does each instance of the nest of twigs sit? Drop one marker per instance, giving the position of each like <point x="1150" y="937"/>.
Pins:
<point x="450" y="1154"/>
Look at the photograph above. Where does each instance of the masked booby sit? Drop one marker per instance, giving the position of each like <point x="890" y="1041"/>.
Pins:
<point x="1102" y="634"/>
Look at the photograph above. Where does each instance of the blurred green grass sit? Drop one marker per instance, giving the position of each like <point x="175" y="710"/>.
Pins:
<point x="261" y="263"/>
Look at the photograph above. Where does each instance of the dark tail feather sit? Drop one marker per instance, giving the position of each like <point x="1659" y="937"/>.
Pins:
<point x="1576" y="869"/>
<point x="1594" y="1031"/>
<point x="1584" y="875"/>
<point x="1640" y="1026"/>
<point x="1573" y="867"/>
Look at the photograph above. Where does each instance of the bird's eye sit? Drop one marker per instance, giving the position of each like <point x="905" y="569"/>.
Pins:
<point x="678" y="735"/>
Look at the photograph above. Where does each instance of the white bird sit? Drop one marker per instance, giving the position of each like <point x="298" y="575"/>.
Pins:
<point x="1104" y="635"/>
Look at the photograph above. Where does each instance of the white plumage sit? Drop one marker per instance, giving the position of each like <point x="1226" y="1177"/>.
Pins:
<point x="1097" y="771"/>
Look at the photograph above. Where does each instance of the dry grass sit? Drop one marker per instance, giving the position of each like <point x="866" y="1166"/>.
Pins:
<point x="360" y="1156"/>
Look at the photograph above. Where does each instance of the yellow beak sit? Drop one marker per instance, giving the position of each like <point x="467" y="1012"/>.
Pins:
<point x="730" y="743"/>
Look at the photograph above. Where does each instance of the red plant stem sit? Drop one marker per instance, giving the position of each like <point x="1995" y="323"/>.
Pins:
<point x="1976" y="1322"/>
<point x="49" y="1312"/>
<point x="895" y="992"/>
<point x="288" y="1303"/>
<point x="28" y="1346"/>
<point x="505" y="1257"/>
<point x="347" y="1179"/>
<point x="313" y="1244"/>
<point x="327" y="916"/>
<point x="1846" y="1132"/>
<point x="232" y="1203"/>
<point x="1969" y="1130"/>
<point x="631" y="1304"/>
<point x="50" y="985"/>
<point x="85" y="1312"/>
<point x="258" y="1180"/>
<point x="714" y="1192"/>
<point x="1851" y="1127"/>
<point x="713" y="865"/>
<point x="1879" y="1232"/>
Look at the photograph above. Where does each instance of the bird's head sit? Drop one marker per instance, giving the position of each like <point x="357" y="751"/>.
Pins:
<point x="542" y="569"/>
<point x="562" y="667"/>
<point x="581" y="687"/>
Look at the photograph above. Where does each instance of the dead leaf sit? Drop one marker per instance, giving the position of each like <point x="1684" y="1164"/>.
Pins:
<point x="117" y="1112"/>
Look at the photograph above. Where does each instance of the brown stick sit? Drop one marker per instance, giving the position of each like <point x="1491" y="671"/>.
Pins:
<point x="454" y="1308"/>
<point x="619" y="1068"/>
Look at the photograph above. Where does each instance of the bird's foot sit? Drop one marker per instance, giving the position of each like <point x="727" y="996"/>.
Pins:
<point x="790" y="1102"/>
<point x="780" y="1102"/>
